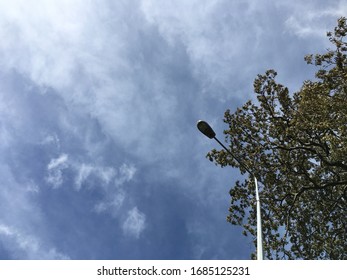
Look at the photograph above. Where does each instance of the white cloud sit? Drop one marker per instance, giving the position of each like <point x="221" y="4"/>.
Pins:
<point x="93" y="58"/>
<point x="107" y="174"/>
<point x="221" y="38"/>
<point x="111" y="185"/>
<point x="39" y="31"/>
<point x="126" y="174"/>
<point x="4" y="230"/>
<point x="134" y="223"/>
<point x="59" y="162"/>
<point x="83" y="171"/>
<point x="51" y="139"/>
<point x="55" y="170"/>
<point x="310" y="20"/>
<point x="26" y="246"/>
<point x="111" y="203"/>
<point x="115" y="193"/>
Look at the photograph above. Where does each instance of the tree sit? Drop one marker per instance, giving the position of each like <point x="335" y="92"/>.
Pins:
<point x="296" y="145"/>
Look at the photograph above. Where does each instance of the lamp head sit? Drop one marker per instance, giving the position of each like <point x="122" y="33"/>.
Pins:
<point x="205" y="129"/>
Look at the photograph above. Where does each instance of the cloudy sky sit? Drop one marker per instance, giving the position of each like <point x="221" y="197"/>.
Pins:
<point x="100" y="155"/>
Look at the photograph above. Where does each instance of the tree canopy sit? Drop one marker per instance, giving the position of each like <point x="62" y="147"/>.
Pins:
<point x="296" y="145"/>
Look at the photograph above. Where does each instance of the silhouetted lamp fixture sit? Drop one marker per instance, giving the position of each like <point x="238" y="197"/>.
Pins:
<point x="205" y="129"/>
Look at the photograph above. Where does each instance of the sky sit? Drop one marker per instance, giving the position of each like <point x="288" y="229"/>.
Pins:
<point x="100" y="154"/>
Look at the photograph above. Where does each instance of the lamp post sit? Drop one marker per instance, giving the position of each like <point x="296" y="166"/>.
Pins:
<point x="207" y="130"/>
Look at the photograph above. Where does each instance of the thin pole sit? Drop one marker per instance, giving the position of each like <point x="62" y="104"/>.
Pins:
<point x="259" y="225"/>
<point x="238" y="160"/>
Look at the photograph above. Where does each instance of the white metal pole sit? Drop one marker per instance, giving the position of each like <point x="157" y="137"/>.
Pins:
<point x="259" y="226"/>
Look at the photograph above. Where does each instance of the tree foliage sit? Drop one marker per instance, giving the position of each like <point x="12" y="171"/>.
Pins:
<point x="296" y="145"/>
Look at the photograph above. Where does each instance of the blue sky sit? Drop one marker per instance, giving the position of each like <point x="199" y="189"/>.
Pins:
<point x="100" y="155"/>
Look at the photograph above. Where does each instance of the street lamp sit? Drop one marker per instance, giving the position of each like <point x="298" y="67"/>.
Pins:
<point x="207" y="130"/>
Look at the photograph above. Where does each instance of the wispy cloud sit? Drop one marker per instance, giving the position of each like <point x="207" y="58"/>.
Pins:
<point x="134" y="223"/>
<point x="105" y="173"/>
<point x="111" y="185"/>
<point x="111" y="204"/>
<point x="59" y="162"/>
<point x="55" y="170"/>
<point x="126" y="173"/>
<point x="26" y="246"/>
<point x="313" y="21"/>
